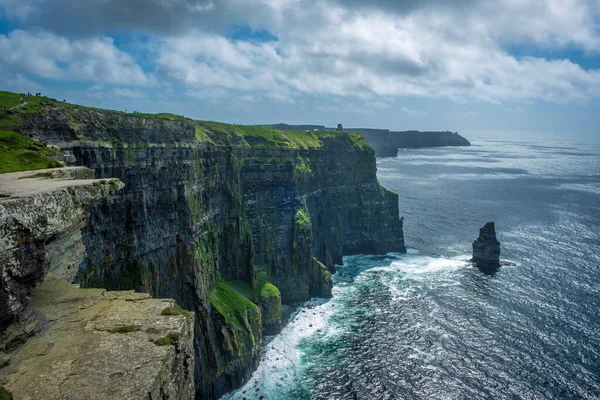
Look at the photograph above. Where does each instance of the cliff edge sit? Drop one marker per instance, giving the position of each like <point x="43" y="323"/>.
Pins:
<point x="231" y="221"/>
<point x="386" y="143"/>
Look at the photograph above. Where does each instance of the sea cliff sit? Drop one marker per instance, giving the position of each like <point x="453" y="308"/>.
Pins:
<point x="386" y="143"/>
<point x="230" y="221"/>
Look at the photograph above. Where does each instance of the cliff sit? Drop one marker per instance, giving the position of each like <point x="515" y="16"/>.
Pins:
<point x="228" y="220"/>
<point x="90" y="343"/>
<point x="386" y="143"/>
<point x="61" y="342"/>
<point x="40" y="229"/>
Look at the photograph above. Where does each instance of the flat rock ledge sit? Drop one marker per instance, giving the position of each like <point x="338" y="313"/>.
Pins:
<point x="94" y="344"/>
<point x="41" y="215"/>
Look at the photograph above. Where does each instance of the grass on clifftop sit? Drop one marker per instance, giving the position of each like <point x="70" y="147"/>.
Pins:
<point x="206" y="131"/>
<point x="259" y="136"/>
<point x="21" y="153"/>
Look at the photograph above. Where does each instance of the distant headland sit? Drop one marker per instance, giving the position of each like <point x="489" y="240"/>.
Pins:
<point x="386" y="143"/>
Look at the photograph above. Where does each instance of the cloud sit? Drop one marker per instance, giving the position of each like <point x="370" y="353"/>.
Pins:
<point x="331" y="50"/>
<point x="413" y="113"/>
<point x="371" y="50"/>
<point x="99" y="17"/>
<point x="50" y="56"/>
<point x="125" y="92"/>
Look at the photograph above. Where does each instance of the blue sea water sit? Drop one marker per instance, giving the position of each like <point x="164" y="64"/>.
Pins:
<point x="428" y="325"/>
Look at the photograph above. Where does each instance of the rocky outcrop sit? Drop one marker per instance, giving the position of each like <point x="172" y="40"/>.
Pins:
<point x="209" y="209"/>
<point x="41" y="217"/>
<point x="386" y="143"/>
<point x="90" y="343"/>
<point x="486" y="248"/>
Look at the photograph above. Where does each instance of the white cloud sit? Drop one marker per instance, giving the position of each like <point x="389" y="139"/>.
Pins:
<point x="327" y="49"/>
<point x="350" y="48"/>
<point x="125" y="92"/>
<point x="413" y="113"/>
<point x="54" y="57"/>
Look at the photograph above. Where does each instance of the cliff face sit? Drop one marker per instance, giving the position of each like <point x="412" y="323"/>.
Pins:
<point x="386" y="143"/>
<point x="58" y="341"/>
<point x="40" y="229"/>
<point x="90" y="343"/>
<point x="228" y="221"/>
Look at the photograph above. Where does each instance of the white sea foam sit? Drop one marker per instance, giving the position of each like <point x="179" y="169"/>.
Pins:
<point x="281" y="366"/>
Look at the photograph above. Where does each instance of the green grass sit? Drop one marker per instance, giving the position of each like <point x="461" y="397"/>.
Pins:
<point x="302" y="218"/>
<point x="176" y="310"/>
<point x="33" y="104"/>
<point x="21" y="153"/>
<point x="126" y="329"/>
<point x="206" y="131"/>
<point x="264" y="290"/>
<point x="231" y="304"/>
<point x="168" y="340"/>
<point x="259" y="136"/>
<point x="5" y="394"/>
<point x="168" y="116"/>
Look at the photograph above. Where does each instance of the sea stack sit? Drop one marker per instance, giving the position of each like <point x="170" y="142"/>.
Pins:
<point x="486" y="249"/>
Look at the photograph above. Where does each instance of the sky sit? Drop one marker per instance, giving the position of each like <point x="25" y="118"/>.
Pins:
<point x="503" y="68"/>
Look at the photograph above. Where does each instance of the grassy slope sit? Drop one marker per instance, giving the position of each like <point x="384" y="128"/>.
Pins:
<point x="230" y="304"/>
<point x="258" y="136"/>
<point x="19" y="153"/>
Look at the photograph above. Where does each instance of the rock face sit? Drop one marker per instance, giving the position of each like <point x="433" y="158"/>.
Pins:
<point x="90" y="343"/>
<point x="58" y="341"/>
<point x="486" y="248"/>
<point x="40" y="229"/>
<point x="386" y="143"/>
<point x="209" y="207"/>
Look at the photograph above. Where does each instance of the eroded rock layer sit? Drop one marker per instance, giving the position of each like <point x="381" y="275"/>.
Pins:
<point x="90" y="344"/>
<point x="41" y="217"/>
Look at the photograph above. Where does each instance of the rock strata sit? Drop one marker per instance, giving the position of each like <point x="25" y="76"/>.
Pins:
<point x="232" y="222"/>
<point x="90" y="344"/>
<point x="41" y="216"/>
<point x="486" y="248"/>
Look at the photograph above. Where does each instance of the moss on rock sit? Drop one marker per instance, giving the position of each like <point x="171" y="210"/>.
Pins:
<point x="5" y="394"/>
<point x="171" y="339"/>
<point x="176" y="310"/>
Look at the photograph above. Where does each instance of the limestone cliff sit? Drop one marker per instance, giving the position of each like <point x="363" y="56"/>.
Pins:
<point x="228" y="220"/>
<point x="61" y="342"/>
<point x="91" y="344"/>
<point x="386" y="143"/>
<point x="40" y="229"/>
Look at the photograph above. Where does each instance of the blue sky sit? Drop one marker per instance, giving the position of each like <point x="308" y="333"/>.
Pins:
<point x="504" y="68"/>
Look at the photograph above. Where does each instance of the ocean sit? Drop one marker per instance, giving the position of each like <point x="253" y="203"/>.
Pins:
<point x="429" y="325"/>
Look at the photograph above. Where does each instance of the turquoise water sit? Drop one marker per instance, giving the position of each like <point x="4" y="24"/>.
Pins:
<point x="429" y="325"/>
